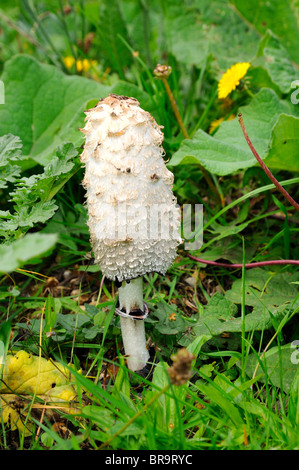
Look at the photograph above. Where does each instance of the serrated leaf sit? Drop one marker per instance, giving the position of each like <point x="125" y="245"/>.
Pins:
<point x="33" y="196"/>
<point x="216" y="317"/>
<point x="63" y="162"/>
<point x="10" y="148"/>
<point x="70" y="321"/>
<point x="39" y="212"/>
<point x="9" y="174"/>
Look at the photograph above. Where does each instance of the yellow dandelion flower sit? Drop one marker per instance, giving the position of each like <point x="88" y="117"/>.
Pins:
<point x="69" y="61"/>
<point x="81" y="65"/>
<point x="231" y="79"/>
<point x="84" y="65"/>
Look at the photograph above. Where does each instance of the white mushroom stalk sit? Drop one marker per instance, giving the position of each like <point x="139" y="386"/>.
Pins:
<point x="133" y="331"/>
<point x="134" y="221"/>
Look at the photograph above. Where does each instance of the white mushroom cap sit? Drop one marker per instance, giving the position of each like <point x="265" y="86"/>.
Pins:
<point x="134" y="220"/>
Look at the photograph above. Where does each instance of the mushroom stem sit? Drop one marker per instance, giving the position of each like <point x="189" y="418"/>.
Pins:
<point x="133" y="331"/>
<point x="130" y="295"/>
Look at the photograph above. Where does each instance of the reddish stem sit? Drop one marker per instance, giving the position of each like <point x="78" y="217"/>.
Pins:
<point x="285" y="194"/>
<point x="264" y="167"/>
<point x="246" y="265"/>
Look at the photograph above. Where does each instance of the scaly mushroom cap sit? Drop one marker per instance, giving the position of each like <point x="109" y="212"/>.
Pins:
<point x="134" y="220"/>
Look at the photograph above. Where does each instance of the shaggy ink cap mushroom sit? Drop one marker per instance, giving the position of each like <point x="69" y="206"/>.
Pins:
<point x="134" y="220"/>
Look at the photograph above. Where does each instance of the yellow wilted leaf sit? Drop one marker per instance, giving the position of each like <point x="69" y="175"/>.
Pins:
<point x="25" y="377"/>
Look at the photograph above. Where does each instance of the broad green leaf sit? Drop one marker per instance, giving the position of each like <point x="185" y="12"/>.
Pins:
<point x="284" y="146"/>
<point x="100" y="415"/>
<point x="209" y="28"/>
<point x="52" y="106"/>
<point x="275" y="59"/>
<point x="265" y="288"/>
<point x="275" y="366"/>
<point x="43" y="106"/>
<point x="227" y="151"/>
<point x="186" y="39"/>
<point x="279" y="16"/>
<point x="25" y="250"/>
<point x="221" y="313"/>
<point x="169" y="322"/>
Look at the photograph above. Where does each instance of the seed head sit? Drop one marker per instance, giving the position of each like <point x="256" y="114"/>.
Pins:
<point x="162" y="71"/>
<point x="180" y="371"/>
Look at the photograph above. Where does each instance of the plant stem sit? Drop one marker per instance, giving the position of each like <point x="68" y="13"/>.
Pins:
<point x="243" y="314"/>
<point x="246" y="265"/>
<point x="163" y="73"/>
<point x="264" y="167"/>
<point x="186" y="135"/>
<point x="175" y="108"/>
<point x="67" y="33"/>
